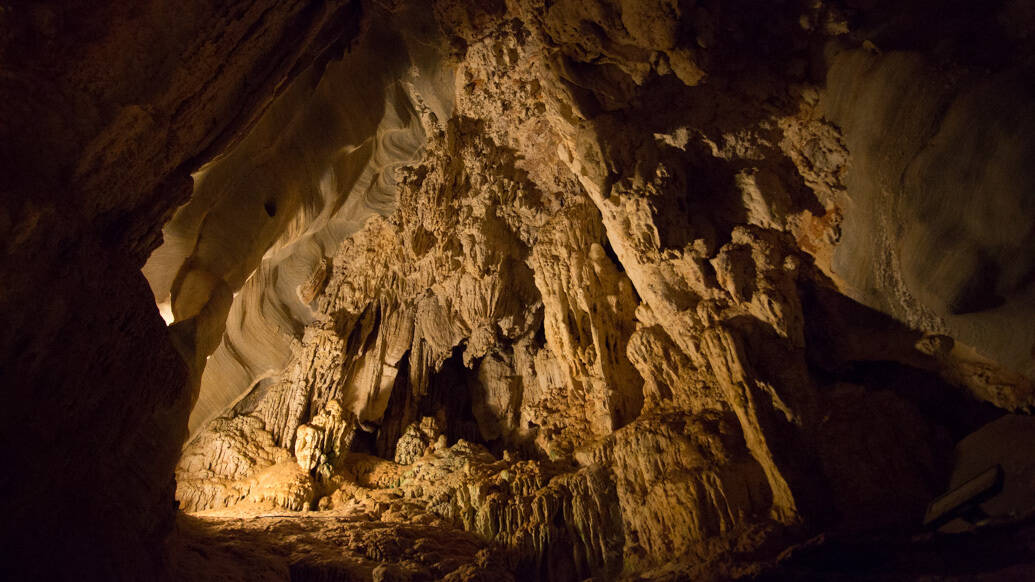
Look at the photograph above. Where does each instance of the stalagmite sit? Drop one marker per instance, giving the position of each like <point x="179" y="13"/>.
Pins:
<point x="530" y="290"/>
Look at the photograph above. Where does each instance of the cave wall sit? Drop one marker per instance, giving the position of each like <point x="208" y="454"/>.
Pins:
<point x="937" y="228"/>
<point x="695" y="278"/>
<point x="622" y="286"/>
<point x="107" y="108"/>
<point x="253" y="246"/>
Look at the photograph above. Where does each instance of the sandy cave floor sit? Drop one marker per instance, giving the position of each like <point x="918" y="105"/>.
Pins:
<point x="250" y="544"/>
<point x="233" y="545"/>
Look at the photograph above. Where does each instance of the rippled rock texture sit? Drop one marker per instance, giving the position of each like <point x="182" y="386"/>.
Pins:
<point x="657" y="292"/>
<point x="243" y="261"/>
<point x="468" y="290"/>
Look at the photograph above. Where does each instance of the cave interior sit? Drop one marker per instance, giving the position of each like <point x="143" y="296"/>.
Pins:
<point x="517" y="290"/>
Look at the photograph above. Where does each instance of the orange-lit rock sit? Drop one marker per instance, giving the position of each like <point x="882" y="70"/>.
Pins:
<point x="542" y="290"/>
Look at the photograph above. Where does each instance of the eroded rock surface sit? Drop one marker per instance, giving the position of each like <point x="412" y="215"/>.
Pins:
<point x="568" y="289"/>
<point x="609" y="325"/>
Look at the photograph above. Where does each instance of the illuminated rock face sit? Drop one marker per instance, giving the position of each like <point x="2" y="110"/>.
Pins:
<point x="619" y="288"/>
<point x="644" y="295"/>
<point x="243" y="261"/>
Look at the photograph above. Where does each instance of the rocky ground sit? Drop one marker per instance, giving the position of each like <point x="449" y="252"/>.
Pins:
<point x="459" y="514"/>
<point x="329" y="546"/>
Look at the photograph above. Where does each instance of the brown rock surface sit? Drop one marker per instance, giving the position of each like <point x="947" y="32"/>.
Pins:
<point x="106" y="108"/>
<point x="550" y="290"/>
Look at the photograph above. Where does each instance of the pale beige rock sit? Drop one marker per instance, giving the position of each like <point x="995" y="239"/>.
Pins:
<point x="709" y="277"/>
<point x="284" y="485"/>
<point x="605" y="326"/>
<point x="214" y="466"/>
<point x="416" y="439"/>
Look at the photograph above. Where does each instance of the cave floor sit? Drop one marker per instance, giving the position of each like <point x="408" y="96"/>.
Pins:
<point x="393" y="522"/>
<point x="232" y="545"/>
<point x="248" y="544"/>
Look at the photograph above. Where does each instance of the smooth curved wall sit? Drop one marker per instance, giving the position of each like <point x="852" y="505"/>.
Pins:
<point x="939" y="213"/>
<point x="253" y="245"/>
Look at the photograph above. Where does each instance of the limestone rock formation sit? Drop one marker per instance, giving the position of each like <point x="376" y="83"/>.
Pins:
<point x="544" y="290"/>
<point x="416" y="439"/>
<point x="618" y="263"/>
<point x="212" y="466"/>
<point x="243" y="260"/>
